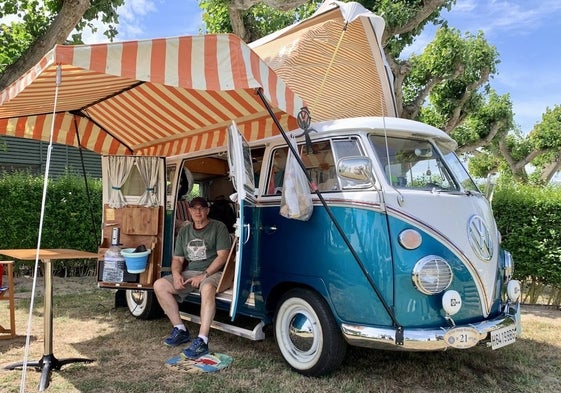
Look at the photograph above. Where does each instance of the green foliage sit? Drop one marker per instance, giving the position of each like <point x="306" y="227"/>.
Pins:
<point x="458" y="61"/>
<point x="215" y="16"/>
<point x="480" y="165"/>
<point x="398" y="13"/>
<point x="528" y="218"/>
<point x="260" y="19"/>
<point x="33" y="17"/>
<point x="67" y="219"/>
<point x="546" y="134"/>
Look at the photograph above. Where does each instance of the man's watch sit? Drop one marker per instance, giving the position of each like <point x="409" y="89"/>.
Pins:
<point x="205" y="273"/>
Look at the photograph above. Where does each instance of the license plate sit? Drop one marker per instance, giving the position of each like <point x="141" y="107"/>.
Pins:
<point x="503" y="336"/>
<point x="462" y="337"/>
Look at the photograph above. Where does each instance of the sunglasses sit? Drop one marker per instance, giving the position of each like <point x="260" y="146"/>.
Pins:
<point x="199" y="209"/>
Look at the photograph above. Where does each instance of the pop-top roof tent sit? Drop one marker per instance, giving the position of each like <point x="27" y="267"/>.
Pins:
<point x="151" y="97"/>
<point x="334" y="61"/>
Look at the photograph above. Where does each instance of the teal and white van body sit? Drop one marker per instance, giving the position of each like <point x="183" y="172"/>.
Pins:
<point x="401" y="251"/>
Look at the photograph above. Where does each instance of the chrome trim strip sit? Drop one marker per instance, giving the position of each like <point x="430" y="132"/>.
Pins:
<point x="424" y="339"/>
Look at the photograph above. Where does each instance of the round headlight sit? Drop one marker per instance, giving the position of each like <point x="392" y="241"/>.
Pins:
<point x="513" y="290"/>
<point x="432" y="275"/>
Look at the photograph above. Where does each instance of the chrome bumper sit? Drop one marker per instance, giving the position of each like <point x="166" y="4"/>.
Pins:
<point x="425" y="339"/>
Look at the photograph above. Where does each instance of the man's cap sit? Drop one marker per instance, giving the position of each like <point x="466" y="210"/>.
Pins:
<point x="198" y="201"/>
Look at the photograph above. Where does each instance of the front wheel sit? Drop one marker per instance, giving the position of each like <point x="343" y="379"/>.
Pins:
<point x="307" y="335"/>
<point x="143" y="304"/>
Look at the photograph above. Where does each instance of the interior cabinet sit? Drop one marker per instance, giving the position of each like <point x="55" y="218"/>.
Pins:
<point x="138" y="225"/>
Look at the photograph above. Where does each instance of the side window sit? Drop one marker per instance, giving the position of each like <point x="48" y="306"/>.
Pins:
<point x="320" y="164"/>
<point x="276" y="173"/>
<point x="318" y="160"/>
<point x="134" y="185"/>
<point x="257" y="157"/>
<point x="170" y="177"/>
<point x="346" y="148"/>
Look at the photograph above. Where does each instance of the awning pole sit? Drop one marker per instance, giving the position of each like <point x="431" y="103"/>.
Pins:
<point x="399" y="328"/>
<point x="41" y="219"/>
<point x="90" y="204"/>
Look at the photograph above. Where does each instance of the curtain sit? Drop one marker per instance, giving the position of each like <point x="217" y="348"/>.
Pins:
<point x="149" y="168"/>
<point x="119" y="169"/>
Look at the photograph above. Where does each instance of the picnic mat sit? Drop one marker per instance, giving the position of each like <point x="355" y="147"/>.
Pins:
<point x="205" y="364"/>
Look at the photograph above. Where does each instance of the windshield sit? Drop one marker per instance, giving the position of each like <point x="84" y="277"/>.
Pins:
<point x="417" y="164"/>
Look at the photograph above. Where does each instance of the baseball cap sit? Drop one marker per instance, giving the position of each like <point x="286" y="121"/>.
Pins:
<point x="198" y="201"/>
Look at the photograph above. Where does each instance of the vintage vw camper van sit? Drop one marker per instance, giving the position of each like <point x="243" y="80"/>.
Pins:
<point x="401" y="251"/>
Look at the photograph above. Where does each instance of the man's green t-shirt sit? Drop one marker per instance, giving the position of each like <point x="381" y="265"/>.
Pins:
<point x="199" y="246"/>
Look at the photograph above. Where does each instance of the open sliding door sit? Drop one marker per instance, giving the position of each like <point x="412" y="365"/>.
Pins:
<point x="241" y="172"/>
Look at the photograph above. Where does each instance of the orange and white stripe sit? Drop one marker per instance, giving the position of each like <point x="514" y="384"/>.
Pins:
<point x="157" y="97"/>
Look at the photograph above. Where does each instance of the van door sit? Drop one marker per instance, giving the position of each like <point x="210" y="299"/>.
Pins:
<point x="241" y="172"/>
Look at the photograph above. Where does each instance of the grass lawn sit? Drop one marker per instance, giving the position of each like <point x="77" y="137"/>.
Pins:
<point x="129" y="356"/>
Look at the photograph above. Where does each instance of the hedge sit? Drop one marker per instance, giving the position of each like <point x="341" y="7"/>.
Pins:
<point x="528" y="218"/>
<point x="71" y="220"/>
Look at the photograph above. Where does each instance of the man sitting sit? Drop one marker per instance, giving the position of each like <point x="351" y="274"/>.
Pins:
<point x="204" y="244"/>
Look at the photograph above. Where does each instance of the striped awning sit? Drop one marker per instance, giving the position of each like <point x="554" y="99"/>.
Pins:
<point x="151" y="97"/>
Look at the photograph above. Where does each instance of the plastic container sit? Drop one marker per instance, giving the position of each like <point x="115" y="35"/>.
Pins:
<point x="135" y="261"/>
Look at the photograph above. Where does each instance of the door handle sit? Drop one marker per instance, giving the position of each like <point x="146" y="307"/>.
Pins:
<point x="248" y="232"/>
<point x="269" y="230"/>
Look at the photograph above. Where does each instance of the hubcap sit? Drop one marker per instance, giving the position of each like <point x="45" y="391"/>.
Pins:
<point x="301" y="332"/>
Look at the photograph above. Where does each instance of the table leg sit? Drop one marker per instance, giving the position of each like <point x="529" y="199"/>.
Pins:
<point x="48" y="362"/>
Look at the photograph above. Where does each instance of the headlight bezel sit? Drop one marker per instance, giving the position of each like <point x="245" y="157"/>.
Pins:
<point x="425" y="279"/>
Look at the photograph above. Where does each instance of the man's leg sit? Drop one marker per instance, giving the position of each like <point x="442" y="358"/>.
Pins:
<point x="208" y="308"/>
<point x="199" y="346"/>
<point x="165" y="292"/>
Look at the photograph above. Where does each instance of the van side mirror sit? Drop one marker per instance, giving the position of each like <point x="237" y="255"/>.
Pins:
<point x="490" y="186"/>
<point x="355" y="173"/>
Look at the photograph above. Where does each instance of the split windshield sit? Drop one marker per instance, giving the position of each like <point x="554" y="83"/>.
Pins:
<point x="417" y="164"/>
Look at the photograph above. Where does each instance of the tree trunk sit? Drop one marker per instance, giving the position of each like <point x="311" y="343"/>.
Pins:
<point x="57" y="33"/>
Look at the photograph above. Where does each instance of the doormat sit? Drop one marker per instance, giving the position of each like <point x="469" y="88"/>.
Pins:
<point x="205" y="364"/>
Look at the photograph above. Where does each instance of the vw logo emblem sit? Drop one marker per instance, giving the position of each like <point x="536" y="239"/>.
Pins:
<point x="480" y="238"/>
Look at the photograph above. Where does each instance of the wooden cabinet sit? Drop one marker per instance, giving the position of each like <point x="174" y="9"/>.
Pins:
<point x="138" y="225"/>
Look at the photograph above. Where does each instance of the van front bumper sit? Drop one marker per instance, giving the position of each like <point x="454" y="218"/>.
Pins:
<point x="428" y="339"/>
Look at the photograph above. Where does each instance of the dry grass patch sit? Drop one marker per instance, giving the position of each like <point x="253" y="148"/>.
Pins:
<point x="129" y="356"/>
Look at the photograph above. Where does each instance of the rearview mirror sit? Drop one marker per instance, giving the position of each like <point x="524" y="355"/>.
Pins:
<point x="355" y="172"/>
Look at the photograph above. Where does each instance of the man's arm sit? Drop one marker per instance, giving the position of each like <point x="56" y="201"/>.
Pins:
<point x="215" y="266"/>
<point x="218" y="262"/>
<point x="176" y="270"/>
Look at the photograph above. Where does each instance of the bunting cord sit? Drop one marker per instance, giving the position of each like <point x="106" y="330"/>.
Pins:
<point x="41" y="219"/>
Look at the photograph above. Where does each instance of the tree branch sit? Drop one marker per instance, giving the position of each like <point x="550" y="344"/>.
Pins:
<point x="429" y="6"/>
<point x="283" y="5"/>
<point x="457" y="116"/>
<point x="57" y="33"/>
<point x="470" y="148"/>
<point x="238" y="26"/>
<point x="400" y="69"/>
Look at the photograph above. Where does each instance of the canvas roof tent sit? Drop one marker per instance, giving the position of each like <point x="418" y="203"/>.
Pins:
<point x="334" y="60"/>
<point x="150" y="97"/>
